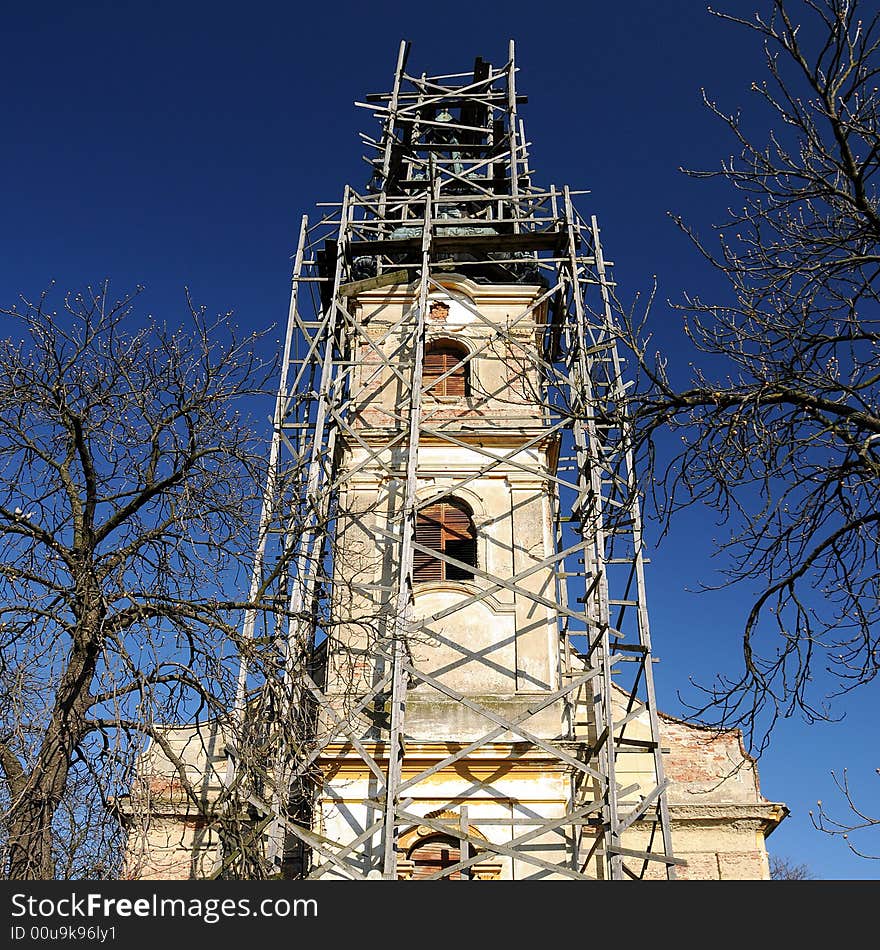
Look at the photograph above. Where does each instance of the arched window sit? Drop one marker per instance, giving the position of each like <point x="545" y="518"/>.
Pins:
<point x="434" y="854"/>
<point x="446" y="526"/>
<point x="440" y="358"/>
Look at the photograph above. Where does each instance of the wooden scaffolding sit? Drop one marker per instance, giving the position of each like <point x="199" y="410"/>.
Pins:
<point x="451" y="192"/>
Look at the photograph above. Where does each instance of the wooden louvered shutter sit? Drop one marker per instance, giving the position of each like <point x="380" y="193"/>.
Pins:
<point x="458" y="541"/>
<point x="434" y="855"/>
<point x="434" y="363"/>
<point x="445" y="527"/>
<point x="440" y="359"/>
<point x="429" y="532"/>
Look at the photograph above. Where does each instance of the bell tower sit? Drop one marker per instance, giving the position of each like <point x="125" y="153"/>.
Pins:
<point x="466" y="689"/>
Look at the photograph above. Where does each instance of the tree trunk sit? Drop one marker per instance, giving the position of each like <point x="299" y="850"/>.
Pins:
<point x="30" y="837"/>
<point x="31" y="815"/>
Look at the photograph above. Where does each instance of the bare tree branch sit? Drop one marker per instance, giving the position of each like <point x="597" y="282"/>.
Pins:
<point x="779" y="429"/>
<point x="129" y="482"/>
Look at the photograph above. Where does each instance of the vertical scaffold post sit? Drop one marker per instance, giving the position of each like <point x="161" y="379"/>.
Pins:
<point x="589" y="510"/>
<point x="270" y="500"/>
<point x="307" y="537"/>
<point x="630" y="493"/>
<point x="404" y="596"/>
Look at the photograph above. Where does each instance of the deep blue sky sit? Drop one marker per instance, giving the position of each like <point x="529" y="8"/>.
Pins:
<point x="173" y="145"/>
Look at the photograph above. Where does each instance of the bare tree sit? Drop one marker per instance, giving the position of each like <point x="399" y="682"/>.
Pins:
<point x="784" y="869"/>
<point x="779" y="428"/>
<point x="128" y="483"/>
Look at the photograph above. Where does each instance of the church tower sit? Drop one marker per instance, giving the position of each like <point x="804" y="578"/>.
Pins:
<point x="462" y="685"/>
<point x="471" y="522"/>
